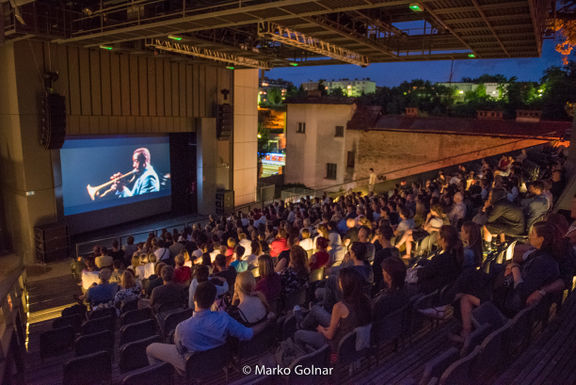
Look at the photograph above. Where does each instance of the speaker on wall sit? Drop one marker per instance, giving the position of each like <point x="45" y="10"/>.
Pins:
<point x="53" y="121"/>
<point x="224" y="121"/>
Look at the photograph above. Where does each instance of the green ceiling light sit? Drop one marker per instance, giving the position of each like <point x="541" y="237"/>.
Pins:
<point x="471" y="55"/>
<point x="102" y="46"/>
<point x="229" y="67"/>
<point x="294" y="64"/>
<point x="415" y="7"/>
<point x="174" y="37"/>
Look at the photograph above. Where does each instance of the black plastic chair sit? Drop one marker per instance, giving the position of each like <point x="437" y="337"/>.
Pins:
<point x="74" y="320"/>
<point x="521" y="330"/>
<point x="475" y="339"/>
<point x="387" y="329"/>
<point x="57" y="341"/>
<point x="208" y="364"/>
<point x="159" y="374"/>
<point x="129" y="306"/>
<point x="259" y="343"/>
<point x="297" y="298"/>
<point x="494" y="350"/>
<point x="74" y="309"/>
<point x="133" y="354"/>
<point x="90" y="369"/>
<point x="437" y="366"/>
<point x="132" y="316"/>
<point x="460" y="372"/>
<point x="96" y="342"/>
<point x="488" y="313"/>
<point x="101" y="313"/>
<point x="137" y="331"/>
<point x="173" y="319"/>
<point x="319" y="359"/>
<point x="97" y="325"/>
<point x="287" y="326"/>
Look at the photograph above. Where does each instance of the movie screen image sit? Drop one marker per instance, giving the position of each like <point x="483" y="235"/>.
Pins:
<point x="99" y="173"/>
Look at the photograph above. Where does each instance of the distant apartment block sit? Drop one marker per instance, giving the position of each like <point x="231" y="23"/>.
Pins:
<point x="351" y="88"/>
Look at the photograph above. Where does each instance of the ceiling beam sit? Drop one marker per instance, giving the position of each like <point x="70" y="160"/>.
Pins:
<point x="483" y="15"/>
<point x="485" y="7"/>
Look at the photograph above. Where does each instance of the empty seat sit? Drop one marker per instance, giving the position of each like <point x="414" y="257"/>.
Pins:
<point x="94" y="368"/>
<point x="437" y="366"/>
<point x="97" y="325"/>
<point x="132" y="316"/>
<point x="207" y="364"/>
<point x="95" y="342"/>
<point x="319" y="359"/>
<point x="159" y="374"/>
<point x="100" y="313"/>
<point x="75" y="309"/>
<point x="389" y="328"/>
<point x="129" y="306"/>
<point x="137" y="331"/>
<point x="520" y="330"/>
<point x="74" y="320"/>
<point x="494" y="350"/>
<point x="57" y="341"/>
<point x="133" y="354"/>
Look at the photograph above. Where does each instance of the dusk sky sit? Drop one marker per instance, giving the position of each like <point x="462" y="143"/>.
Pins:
<point x="392" y="74"/>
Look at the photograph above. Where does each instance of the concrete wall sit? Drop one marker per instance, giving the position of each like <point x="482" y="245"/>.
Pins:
<point x="307" y="154"/>
<point x="245" y="138"/>
<point x="398" y="154"/>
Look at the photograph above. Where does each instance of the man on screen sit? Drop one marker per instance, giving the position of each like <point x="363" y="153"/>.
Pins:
<point x="147" y="180"/>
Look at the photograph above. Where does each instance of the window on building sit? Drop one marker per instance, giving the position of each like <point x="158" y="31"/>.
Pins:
<point x="330" y="170"/>
<point x="339" y="131"/>
<point x="301" y="127"/>
<point x="350" y="159"/>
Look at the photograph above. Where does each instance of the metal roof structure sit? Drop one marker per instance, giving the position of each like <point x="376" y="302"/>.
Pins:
<point x="373" y="30"/>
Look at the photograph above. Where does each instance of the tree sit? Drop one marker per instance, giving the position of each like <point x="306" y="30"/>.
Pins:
<point x="338" y="91"/>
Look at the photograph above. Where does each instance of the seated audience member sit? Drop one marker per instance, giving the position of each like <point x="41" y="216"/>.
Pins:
<point x="503" y="217"/>
<point x="296" y="276"/>
<point x="252" y="259"/>
<point x="205" y="330"/>
<point x="321" y="257"/>
<point x="384" y="237"/>
<point x="162" y="253"/>
<point x="202" y="275"/>
<point x="239" y="264"/>
<point x="535" y="207"/>
<point x="118" y="271"/>
<point x="89" y="275"/>
<point x="229" y="253"/>
<point x="270" y="283"/>
<point x="393" y="295"/>
<point x="176" y="248"/>
<point x="251" y="304"/>
<point x="458" y="211"/>
<point x="182" y="274"/>
<point x="146" y="267"/>
<point x="352" y="311"/>
<point x="104" y="260"/>
<point x="472" y="241"/>
<point x="364" y="237"/>
<point x="116" y="253"/>
<point x="129" y="290"/>
<point x="129" y="249"/>
<point x="245" y="243"/>
<point x="307" y="243"/>
<point x="279" y="244"/>
<point x="103" y="293"/>
<point x="155" y="279"/>
<point x="168" y="296"/>
<point x="220" y="270"/>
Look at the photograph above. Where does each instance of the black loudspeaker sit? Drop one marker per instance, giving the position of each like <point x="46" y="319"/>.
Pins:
<point x="224" y="202"/>
<point x="53" y="121"/>
<point x="52" y="242"/>
<point x="224" y="121"/>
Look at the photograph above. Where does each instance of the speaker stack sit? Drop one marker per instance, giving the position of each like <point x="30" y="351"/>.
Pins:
<point x="53" y="121"/>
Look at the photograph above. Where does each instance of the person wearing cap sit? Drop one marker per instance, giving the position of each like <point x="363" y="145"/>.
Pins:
<point x="104" y="292"/>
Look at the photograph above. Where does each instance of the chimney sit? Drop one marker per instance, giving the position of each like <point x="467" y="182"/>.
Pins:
<point x="489" y="115"/>
<point x="528" y="116"/>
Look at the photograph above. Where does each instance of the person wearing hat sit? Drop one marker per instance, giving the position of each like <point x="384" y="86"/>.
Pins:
<point x="104" y="292"/>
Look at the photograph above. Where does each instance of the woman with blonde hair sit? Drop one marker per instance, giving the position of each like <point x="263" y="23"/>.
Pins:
<point x="129" y="289"/>
<point x="251" y="304"/>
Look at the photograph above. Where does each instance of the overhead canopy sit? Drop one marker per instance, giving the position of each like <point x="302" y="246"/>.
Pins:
<point x="296" y="32"/>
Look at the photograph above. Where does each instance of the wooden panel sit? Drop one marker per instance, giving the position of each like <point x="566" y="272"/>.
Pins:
<point x="202" y="87"/>
<point x="212" y="90"/>
<point x="134" y="86"/>
<point x="182" y="88"/>
<point x="196" y="89"/>
<point x="115" y="87"/>
<point x="151" y="83"/>
<point x="74" y="81"/>
<point x="125" y="84"/>
<point x="189" y="89"/>
<point x="160" y="87"/>
<point x="95" y="82"/>
<point x="60" y="60"/>
<point x="84" y="69"/>
<point x="175" y="94"/>
<point x="105" y="83"/>
<point x="167" y="89"/>
<point x="143" y="85"/>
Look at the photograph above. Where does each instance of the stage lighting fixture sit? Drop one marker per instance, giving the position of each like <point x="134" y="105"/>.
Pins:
<point x="229" y="67"/>
<point x="102" y="46"/>
<point x="297" y="39"/>
<point x="174" y="37"/>
<point x="415" y="7"/>
<point x="471" y="55"/>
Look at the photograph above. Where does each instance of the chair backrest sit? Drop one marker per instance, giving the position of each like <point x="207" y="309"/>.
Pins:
<point x="288" y="327"/>
<point x="317" y="275"/>
<point x="437" y="366"/>
<point x="74" y="309"/>
<point x="74" y="320"/>
<point x="100" y="313"/>
<point x="175" y="318"/>
<point x="493" y="351"/>
<point x="318" y="359"/>
<point x="208" y="363"/>
<point x="390" y="327"/>
<point x="97" y="325"/>
<point x="137" y="331"/>
<point x="520" y="330"/>
<point x="347" y="349"/>
<point x="138" y="315"/>
<point x="475" y="338"/>
<point x="159" y="374"/>
<point x="90" y="369"/>
<point x="129" y="306"/>
<point x="96" y="342"/>
<point x="259" y="344"/>
<point x="297" y="298"/>
<point x="459" y="371"/>
<point x="133" y="354"/>
<point x="56" y="341"/>
<point x="488" y="313"/>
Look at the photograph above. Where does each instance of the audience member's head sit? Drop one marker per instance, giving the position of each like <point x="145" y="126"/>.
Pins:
<point x="204" y="296"/>
<point x="394" y="272"/>
<point x="167" y="273"/>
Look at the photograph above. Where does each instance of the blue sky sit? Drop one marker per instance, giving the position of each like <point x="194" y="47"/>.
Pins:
<point x="392" y="74"/>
